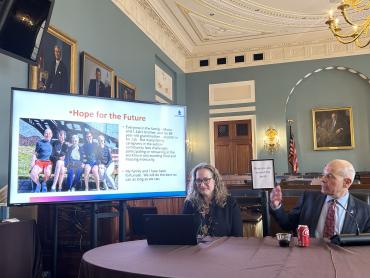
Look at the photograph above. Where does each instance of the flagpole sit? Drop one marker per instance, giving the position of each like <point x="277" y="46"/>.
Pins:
<point x="292" y="152"/>
<point x="290" y="168"/>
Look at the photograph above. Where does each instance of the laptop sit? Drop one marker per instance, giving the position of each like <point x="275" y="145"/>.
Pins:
<point x="171" y="229"/>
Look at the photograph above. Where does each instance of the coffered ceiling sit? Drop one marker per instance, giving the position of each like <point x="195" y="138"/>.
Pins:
<point x="209" y="28"/>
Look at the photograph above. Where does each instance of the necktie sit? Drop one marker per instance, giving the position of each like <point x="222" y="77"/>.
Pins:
<point x="97" y="89"/>
<point x="329" y="227"/>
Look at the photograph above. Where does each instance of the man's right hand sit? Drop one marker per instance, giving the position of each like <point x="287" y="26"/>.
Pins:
<point x="276" y="196"/>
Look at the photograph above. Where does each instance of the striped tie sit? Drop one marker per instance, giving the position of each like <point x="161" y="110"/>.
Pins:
<point x="329" y="227"/>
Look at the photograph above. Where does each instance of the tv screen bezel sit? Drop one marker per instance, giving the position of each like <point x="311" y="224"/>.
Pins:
<point x="161" y="196"/>
<point x="29" y="60"/>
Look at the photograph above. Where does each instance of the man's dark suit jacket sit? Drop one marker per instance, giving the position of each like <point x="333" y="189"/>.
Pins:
<point x="308" y="211"/>
<point x="58" y="81"/>
<point x="92" y="89"/>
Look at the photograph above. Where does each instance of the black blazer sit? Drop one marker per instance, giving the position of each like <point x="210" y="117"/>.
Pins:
<point x="92" y="89"/>
<point x="308" y="211"/>
<point x="58" y="81"/>
<point x="226" y="221"/>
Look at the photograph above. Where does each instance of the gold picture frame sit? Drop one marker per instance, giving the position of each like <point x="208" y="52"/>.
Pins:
<point x="64" y="78"/>
<point x="124" y="89"/>
<point x="333" y="128"/>
<point x="92" y="70"/>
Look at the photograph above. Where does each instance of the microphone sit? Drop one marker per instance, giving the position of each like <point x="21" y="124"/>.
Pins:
<point x="350" y="239"/>
<point x="350" y="213"/>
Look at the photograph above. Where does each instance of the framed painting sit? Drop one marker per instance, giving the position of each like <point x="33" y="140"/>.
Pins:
<point x="96" y="78"/>
<point x="163" y="82"/>
<point x="57" y="64"/>
<point x="124" y="90"/>
<point x="333" y="128"/>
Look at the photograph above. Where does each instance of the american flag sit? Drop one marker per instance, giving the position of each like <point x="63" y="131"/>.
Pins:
<point x="292" y="156"/>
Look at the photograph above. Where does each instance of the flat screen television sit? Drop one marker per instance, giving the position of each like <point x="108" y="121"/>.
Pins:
<point x="22" y="25"/>
<point x="145" y="143"/>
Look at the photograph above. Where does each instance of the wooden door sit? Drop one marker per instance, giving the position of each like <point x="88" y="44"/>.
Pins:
<point x="233" y="146"/>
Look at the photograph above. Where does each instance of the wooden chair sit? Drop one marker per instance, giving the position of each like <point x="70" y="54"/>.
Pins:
<point x="254" y="207"/>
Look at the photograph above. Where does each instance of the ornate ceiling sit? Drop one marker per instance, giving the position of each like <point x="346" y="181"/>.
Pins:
<point x="223" y="25"/>
<point x="207" y="28"/>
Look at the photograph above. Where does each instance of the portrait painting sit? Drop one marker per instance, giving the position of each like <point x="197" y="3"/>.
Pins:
<point x="96" y="78"/>
<point x="56" y="65"/>
<point x="124" y="90"/>
<point x="333" y="128"/>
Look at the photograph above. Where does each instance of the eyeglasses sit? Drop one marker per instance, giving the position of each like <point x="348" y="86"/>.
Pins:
<point x="330" y="176"/>
<point x="204" y="180"/>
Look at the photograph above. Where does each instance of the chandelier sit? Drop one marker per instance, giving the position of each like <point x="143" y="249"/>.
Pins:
<point x="359" y="30"/>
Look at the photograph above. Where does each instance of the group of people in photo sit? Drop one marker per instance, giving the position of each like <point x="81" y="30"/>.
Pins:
<point x="55" y="159"/>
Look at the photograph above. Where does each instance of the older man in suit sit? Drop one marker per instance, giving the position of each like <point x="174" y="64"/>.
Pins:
<point x="96" y="86"/>
<point x="58" y="80"/>
<point x="320" y="211"/>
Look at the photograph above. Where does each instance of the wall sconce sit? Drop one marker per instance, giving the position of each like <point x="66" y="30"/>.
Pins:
<point x="189" y="145"/>
<point x="271" y="142"/>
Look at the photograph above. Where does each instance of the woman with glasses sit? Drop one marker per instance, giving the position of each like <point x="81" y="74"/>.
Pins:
<point x="207" y="197"/>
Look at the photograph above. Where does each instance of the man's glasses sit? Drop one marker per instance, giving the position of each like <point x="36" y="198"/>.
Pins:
<point x="204" y="180"/>
<point x="329" y="176"/>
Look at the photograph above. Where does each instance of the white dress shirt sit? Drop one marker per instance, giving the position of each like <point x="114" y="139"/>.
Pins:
<point x="340" y="214"/>
<point x="56" y="66"/>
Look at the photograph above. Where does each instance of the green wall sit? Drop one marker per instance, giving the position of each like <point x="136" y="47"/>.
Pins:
<point x="329" y="88"/>
<point x="103" y="31"/>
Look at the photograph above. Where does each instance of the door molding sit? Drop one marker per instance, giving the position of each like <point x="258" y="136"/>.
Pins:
<point x="230" y="118"/>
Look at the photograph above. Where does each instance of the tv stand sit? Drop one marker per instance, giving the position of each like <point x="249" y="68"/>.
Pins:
<point x="95" y="214"/>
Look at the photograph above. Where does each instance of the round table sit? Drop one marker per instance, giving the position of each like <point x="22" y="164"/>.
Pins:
<point x="225" y="257"/>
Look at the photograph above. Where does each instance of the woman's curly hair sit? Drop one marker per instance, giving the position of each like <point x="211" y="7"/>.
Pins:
<point x="220" y="191"/>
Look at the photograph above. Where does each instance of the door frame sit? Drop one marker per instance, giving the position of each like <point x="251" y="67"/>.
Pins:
<point x="231" y="118"/>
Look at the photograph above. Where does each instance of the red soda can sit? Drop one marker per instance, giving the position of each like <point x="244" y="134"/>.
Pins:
<point x="303" y="236"/>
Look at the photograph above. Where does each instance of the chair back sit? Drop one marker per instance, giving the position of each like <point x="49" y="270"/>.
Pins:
<point x="257" y="200"/>
<point x="136" y="220"/>
<point x="362" y="196"/>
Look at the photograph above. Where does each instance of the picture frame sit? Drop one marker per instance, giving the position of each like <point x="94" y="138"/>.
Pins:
<point x="92" y="69"/>
<point x="263" y="173"/>
<point x="163" y="82"/>
<point x="333" y="128"/>
<point x="124" y="89"/>
<point x="47" y="76"/>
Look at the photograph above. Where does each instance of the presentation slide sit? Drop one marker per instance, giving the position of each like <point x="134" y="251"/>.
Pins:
<point x="132" y="150"/>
